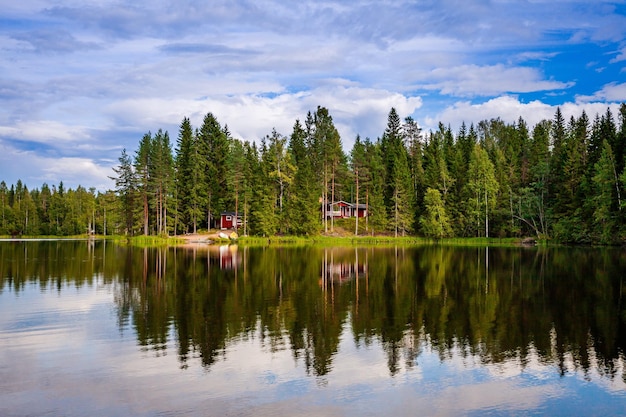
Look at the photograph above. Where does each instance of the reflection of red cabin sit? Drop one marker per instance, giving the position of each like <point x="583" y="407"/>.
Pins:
<point x="342" y="209"/>
<point x="228" y="257"/>
<point x="342" y="272"/>
<point x="227" y="220"/>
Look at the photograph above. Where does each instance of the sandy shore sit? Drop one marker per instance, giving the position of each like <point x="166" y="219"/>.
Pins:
<point x="195" y="240"/>
<point x="197" y="237"/>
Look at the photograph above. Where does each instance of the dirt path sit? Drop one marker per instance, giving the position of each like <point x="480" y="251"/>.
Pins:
<point x="198" y="239"/>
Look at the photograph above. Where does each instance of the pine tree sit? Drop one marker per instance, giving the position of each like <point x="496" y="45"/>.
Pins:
<point x="576" y="187"/>
<point x="523" y="136"/>
<point x="186" y="177"/>
<point x="303" y="208"/>
<point x="362" y="178"/>
<point x="280" y="170"/>
<point x="213" y="151"/>
<point x="161" y="179"/>
<point x="436" y="173"/>
<point x="374" y="193"/>
<point x="251" y="173"/>
<point x="605" y="183"/>
<point x="620" y="140"/>
<point x="413" y="137"/>
<point x="435" y="222"/>
<point x="125" y="188"/>
<point x="330" y="161"/>
<point x="142" y="172"/>
<point x="4" y="208"/>
<point x="264" y="217"/>
<point x="557" y="165"/>
<point x="399" y="194"/>
<point x="236" y="178"/>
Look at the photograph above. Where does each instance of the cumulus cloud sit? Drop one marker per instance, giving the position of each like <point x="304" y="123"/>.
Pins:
<point x="355" y="110"/>
<point x="611" y="92"/>
<point x="509" y="109"/>
<point x="44" y="131"/>
<point x="35" y="168"/>
<point x="474" y="80"/>
<point x="77" y="171"/>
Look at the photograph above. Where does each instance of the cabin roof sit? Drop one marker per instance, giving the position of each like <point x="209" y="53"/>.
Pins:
<point x="230" y="213"/>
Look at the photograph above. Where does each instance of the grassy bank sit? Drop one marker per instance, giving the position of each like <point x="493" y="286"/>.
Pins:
<point x="319" y="240"/>
<point x="374" y="241"/>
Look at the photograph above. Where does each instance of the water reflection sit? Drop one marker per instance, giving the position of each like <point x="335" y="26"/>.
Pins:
<point x="561" y="308"/>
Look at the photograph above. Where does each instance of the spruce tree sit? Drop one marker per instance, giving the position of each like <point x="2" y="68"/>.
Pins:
<point x="185" y="177"/>
<point x="605" y="183"/>
<point x="399" y="193"/>
<point x="377" y="220"/>
<point x="362" y="179"/>
<point x="264" y="216"/>
<point x="213" y="147"/>
<point x="125" y="188"/>
<point x="413" y="137"/>
<point x="161" y="173"/>
<point x="281" y="171"/>
<point x="236" y="178"/>
<point x="303" y="208"/>
<point x="330" y="161"/>
<point x="142" y="171"/>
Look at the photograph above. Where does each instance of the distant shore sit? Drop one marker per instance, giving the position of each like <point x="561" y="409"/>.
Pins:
<point x="213" y="237"/>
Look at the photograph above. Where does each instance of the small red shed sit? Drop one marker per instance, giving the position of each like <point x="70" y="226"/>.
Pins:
<point x="227" y="220"/>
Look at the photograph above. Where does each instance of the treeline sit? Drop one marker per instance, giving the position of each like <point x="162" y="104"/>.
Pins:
<point x="560" y="179"/>
<point x="55" y="210"/>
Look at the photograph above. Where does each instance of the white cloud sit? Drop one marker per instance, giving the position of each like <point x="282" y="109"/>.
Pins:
<point x="621" y="56"/>
<point x="611" y="92"/>
<point x="510" y="109"/>
<point x="77" y="171"/>
<point x="355" y="110"/>
<point x="474" y="80"/>
<point x="45" y="131"/>
<point x="35" y="169"/>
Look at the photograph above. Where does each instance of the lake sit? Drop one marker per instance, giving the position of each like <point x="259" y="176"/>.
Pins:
<point x="98" y="329"/>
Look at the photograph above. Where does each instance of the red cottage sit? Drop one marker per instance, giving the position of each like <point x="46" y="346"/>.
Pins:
<point x="227" y="220"/>
<point x="343" y="209"/>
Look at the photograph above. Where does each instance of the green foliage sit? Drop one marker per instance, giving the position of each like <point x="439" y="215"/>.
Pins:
<point x="188" y="174"/>
<point x="605" y="183"/>
<point x="435" y="222"/>
<point x="399" y="195"/>
<point x="559" y="179"/>
<point x="303" y="207"/>
<point x="482" y="186"/>
<point x="213" y="152"/>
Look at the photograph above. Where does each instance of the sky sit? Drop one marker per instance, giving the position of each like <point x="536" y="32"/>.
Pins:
<point x="81" y="80"/>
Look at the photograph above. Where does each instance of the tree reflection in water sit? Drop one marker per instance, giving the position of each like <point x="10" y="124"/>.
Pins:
<point x="561" y="306"/>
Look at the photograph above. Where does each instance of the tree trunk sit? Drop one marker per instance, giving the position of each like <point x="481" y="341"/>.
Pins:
<point x="356" y="227"/>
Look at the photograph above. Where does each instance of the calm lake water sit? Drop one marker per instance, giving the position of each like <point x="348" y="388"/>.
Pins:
<point x="95" y="329"/>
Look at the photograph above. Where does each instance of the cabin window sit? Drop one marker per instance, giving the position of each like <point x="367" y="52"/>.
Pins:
<point x="229" y="218"/>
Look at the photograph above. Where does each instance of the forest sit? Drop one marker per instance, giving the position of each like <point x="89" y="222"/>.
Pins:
<point x="560" y="180"/>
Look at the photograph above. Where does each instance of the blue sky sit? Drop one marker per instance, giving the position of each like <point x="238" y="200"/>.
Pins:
<point x="82" y="79"/>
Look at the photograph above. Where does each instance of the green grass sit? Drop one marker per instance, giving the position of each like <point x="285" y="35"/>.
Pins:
<point x="318" y="240"/>
<point x="52" y="237"/>
<point x="374" y="241"/>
